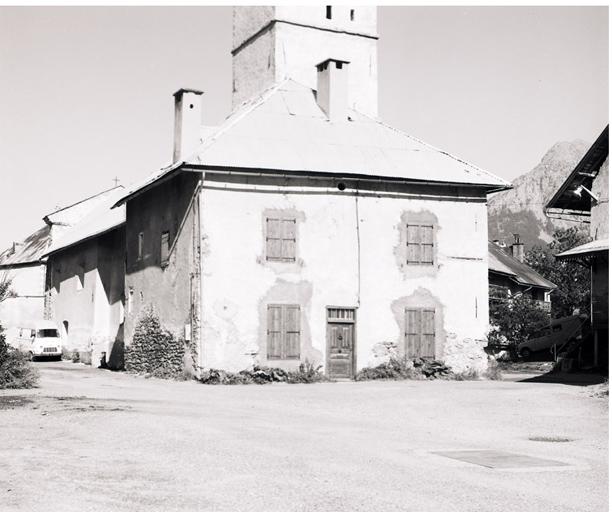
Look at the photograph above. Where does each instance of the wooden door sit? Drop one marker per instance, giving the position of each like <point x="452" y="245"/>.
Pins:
<point x="340" y="343"/>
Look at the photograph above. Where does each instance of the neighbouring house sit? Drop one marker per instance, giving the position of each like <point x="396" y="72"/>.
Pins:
<point x="585" y="193"/>
<point x="509" y="275"/>
<point x="303" y="228"/>
<point x="22" y="264"/>
<point x="84" y="290"/>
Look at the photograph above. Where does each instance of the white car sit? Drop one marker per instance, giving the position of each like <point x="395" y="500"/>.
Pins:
<point x="43" y="339"/>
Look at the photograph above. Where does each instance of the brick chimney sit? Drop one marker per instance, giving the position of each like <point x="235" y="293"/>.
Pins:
<point x="187" y="122"/>
<point x="518" y="248"/>
<point x="332" y="89"/>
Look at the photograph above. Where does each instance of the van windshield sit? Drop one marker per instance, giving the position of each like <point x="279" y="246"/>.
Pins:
<point x="47" y="333"/>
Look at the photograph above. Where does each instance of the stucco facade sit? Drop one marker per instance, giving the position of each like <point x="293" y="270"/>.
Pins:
<point x="165" y="286"/>
<point x="85" y="296"/>
<point x="350" y="253"/>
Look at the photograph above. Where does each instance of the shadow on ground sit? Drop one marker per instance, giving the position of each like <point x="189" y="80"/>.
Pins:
<point x="571" y="379"/>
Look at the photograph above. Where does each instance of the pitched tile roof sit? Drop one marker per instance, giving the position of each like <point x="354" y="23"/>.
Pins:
<point x="284" y="129"/>
<point x="101" y="219"/>
<point x="585" y="250"/>
<point x="504" y="263"/>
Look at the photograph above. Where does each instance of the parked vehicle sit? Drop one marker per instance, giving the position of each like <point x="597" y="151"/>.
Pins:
<point x="42" y="339"/>
<point x="553" y="336"/>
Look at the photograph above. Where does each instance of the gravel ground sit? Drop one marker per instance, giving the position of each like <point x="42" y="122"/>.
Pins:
<point x="94" y="440"/>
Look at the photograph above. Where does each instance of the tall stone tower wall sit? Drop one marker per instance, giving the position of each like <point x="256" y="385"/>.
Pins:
<point x="274" y="43"/>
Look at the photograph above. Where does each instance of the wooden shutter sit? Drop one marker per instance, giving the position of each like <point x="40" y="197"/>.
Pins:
<point x="165" y="246"/>
<point x="275" y="332"/>
<point x="288" y="240"/>
<point x="419" y="244"/>
<point x="413" y="332"/>
<point x="420" y="333"/>
<point x="273" y="239"/>
<point x="292" y="332"/>
<point x="284" y="331"/>
<point x="427" y="243"/>
<point x="413" y="243"/>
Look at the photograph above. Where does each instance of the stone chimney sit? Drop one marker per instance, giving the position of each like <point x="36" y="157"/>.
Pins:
<point x="518" y="248"/>
<point x="187" y="122"/>
<point x="332" y="89"/>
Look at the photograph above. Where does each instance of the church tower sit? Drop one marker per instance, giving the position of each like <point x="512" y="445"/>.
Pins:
<point x="274" y="43"/>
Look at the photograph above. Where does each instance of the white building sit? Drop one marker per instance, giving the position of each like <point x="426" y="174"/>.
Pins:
<point x="304" y="228"/>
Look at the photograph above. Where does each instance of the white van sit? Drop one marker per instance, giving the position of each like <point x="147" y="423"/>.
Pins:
<point x="42" y="339"/>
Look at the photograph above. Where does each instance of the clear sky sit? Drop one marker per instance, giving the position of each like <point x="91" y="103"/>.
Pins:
<point x="86" y="93"/>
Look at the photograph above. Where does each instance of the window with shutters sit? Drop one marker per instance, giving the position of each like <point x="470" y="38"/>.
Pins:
<point x="420" y="244"/>
<point x="420" y="333"/>
<point x="283" y="331"/>
<point x="140" y="249"/>
<point x="165" y="248"/>
<point x="280" y="239"/>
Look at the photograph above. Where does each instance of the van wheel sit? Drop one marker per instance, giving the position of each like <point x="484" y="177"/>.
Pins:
<point x="30" y="356"/>
<point x="525" y="353"/>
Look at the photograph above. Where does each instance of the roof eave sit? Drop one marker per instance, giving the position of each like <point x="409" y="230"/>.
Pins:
<point x="490" y="187"/>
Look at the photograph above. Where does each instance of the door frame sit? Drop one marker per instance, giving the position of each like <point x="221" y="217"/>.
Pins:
<point x="352" y="322"/>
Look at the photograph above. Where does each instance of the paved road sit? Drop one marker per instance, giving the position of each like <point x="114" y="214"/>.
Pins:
<point x="94" y="440"/>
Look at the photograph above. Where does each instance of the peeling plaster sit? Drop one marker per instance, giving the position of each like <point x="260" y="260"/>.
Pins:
<point x="400" y="250"/>
<point x="285" y="292"/>
<point x="282" y="266"/>
<point x="421" y="298"/>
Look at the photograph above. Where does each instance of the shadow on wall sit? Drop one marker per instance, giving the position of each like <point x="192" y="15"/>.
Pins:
<point x="115" y="359"/>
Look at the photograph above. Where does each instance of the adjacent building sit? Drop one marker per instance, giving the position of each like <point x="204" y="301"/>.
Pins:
<point x="510" y="276"/>
<point x="24" y="265"/>
<point x="585" y="193"/>
<point x="84" y="288"/>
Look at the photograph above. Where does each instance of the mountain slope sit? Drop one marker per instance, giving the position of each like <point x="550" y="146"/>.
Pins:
<point x="520" y="210"/>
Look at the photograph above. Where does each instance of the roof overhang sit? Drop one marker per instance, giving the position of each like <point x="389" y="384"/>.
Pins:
<point x="566" y="201"/>
<point x="590" y="250"/>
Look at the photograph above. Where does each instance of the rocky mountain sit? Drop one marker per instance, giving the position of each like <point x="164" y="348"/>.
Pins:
<point x="520" y="210"/>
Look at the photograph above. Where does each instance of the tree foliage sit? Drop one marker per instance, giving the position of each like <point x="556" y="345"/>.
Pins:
<point x="516" y="319"/>
<point x="6" y="291"/>
<point x="572" y="279"/>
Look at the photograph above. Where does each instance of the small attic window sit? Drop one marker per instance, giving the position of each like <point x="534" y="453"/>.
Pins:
<point x="352" y="14"/>
<point x="328" y="12"/>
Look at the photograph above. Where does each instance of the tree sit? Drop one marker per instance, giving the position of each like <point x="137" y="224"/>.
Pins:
<point x="6" y="291"/>
<point x="573" y="280"/>
<point x="516" y="319"/>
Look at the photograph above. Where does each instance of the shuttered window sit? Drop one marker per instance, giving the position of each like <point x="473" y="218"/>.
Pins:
<point x="421" y="333"/>
<point x="140" y="250"/>
<point x="283" y="331"/>
<point x="280" y="239"/>
<point x="165" y="247"/>
<point x="420" y="244"/>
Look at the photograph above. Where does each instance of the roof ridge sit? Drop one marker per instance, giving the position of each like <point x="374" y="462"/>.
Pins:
<point x="82" y="200"/>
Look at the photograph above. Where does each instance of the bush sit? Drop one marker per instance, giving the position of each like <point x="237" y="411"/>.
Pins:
<point x="154" y="351"/>
<point x="514" y="321"/>
<point x="16" y="371"/>
<point x="403" y="368"/>
<point x="306" y="373"/>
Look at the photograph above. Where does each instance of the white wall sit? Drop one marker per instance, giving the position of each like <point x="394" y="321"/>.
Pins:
<point x="237" y="282"/>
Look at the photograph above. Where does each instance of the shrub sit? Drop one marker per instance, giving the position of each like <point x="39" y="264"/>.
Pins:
<point x="306" y="373"/>
<point x="16" y="371"/>
<point x="154" y="351"/>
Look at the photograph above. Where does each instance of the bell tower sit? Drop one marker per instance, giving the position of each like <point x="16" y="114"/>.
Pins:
<point x="274" y="43"/>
